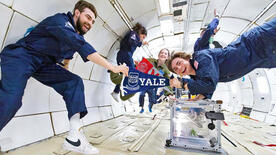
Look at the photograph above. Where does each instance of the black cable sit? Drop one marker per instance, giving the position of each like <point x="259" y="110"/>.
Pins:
<point x="228" y="140"/>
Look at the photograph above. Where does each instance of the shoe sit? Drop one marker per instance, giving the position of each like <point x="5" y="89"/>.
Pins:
<point x="77" y="142"/>
<point x="150" y="109"/>
<point x="142" y="110"/>
<point x="115" y="96"/>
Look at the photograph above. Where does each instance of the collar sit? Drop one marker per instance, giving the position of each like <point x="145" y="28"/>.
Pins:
<point x="71" y="19"/>
<point x="193" y="66"/>
<point x="192" y="62"/>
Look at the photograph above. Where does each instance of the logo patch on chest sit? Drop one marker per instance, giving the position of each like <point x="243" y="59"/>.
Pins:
<point x="196" y="64"/>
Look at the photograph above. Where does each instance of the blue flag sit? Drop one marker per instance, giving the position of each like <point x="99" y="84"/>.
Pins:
<point x="138" y="81"/>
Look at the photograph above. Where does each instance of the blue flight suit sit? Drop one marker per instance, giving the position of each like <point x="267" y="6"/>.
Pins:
<point x="127" y="47"/>
<point x="203" y="42"/>
<point x="151" y="95"/>
<point x="255" y="48"/>
<point x="36" y="55"/>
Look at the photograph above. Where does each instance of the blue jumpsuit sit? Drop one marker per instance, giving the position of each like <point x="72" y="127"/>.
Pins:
<point x="127" y="47"/>
<point x="203" y="42"/>
<point x="36" y="55"/>
<point x="255" y="48"/>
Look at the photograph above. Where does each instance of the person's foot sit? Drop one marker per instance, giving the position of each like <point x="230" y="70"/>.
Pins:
<point x="77" y="142"/>
<point x="142" y="110"/>
<point x="150" y="109"/>
<point x="115" y="96"/>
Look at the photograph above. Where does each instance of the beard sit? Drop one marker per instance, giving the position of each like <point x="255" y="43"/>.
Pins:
<point x="79" y="27"/>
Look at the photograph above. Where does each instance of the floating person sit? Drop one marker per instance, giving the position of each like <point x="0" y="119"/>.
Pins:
<point x="128" y="45"/>
<point x="159" y="64"/>
<point x="54" y="39"/>
<point x="255" y="48"/>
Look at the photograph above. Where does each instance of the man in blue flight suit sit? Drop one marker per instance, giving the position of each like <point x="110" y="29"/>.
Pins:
<point x="54" y="39"/>
<point x="253" y="49"/>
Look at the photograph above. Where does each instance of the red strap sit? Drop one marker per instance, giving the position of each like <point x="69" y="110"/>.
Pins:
<point x="269" y="145"/>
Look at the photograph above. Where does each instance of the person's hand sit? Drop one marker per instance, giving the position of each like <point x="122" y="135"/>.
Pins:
<point x="175" y="83"/>
<point x="198" y="97"/>
<point x="121" y="68"/>
<point x="136" y="62"/>
<point x="66" y="63"/>
<point x="216" y="30"/>
<point x="66" y="67"/>
<point x="216" y="13"/>
<point x="145" y="43"/>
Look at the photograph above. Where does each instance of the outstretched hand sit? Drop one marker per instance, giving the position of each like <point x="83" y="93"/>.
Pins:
<point x="216" y="13"/>
<point x="198" y="97"/>
<point x="175" y="83"/>
<point x="121" y="68"/>
<point x="145" y="43"/>
<point x="216" y="30"/>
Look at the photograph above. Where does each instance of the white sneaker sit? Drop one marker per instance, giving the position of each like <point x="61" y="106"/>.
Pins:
<point x="77" y="142"/>
<point x="115" y="96"/>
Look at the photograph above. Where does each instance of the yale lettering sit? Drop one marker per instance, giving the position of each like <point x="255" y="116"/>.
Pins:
<point x="152" y="82"/>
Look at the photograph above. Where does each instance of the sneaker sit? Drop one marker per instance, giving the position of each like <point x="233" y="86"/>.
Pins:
<point x="77" y="142"/>
<point x="115" y="96"/>
<point x="142" y="110"/>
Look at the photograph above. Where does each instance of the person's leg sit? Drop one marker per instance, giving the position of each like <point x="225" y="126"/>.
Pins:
<point x="152" y="98"/>
<point x="121" y="60"/>
<point x="71" y="87"/>
<point x="261" y="40"/>
<point x="14" y="75"/>
<point x="268" y="37"/>
<point x="141" y="101"/>
<point x="117" y="89"/>
<point x="67" y="84"/>
<point x="115" y="93"/>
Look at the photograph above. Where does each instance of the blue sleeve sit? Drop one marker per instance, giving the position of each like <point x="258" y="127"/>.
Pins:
<point x="200" y="86"/>
<point x="208" y="33"/>
<point x="67" y="35"/>
<point x="208" y="95"/>
<point x="133" y="39"/>
<point x="69" y="57"/>
<point x="206" y="79"/>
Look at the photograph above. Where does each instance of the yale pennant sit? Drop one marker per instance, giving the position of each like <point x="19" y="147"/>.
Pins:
<point x="138" y="81"/>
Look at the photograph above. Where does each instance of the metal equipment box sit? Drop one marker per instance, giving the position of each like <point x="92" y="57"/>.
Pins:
<point x="195" y="124"/>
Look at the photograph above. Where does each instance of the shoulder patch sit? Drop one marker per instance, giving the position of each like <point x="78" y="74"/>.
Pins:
<point x="69" y="25"/>
<point x="133" y="36"/>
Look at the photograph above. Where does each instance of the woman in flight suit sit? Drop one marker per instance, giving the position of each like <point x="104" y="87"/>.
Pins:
<point x="255" y="48"/>
<point x="128" y="45"/>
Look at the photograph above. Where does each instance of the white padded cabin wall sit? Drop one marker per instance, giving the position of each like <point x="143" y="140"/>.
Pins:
<point x="261" y="94"/>
<point x="222" y="92"/>
<point x="44" y="113"/>
<point x="271" y="76"/>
